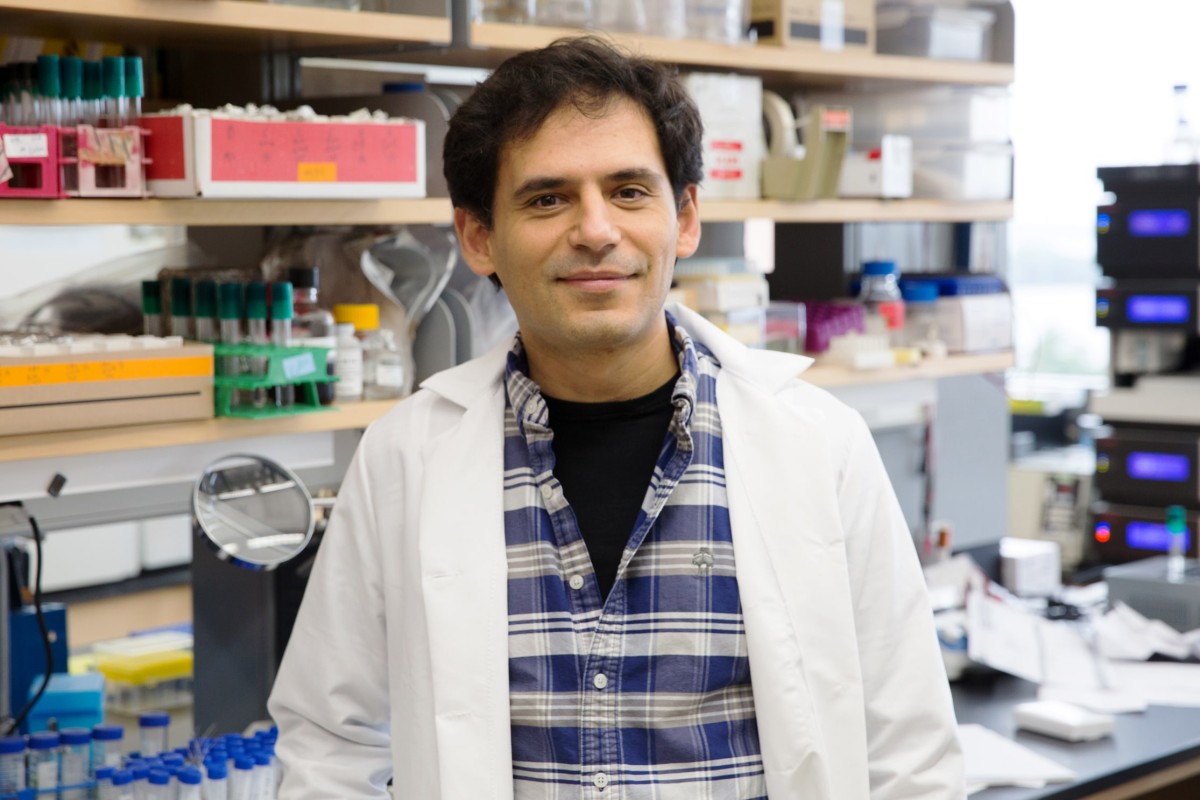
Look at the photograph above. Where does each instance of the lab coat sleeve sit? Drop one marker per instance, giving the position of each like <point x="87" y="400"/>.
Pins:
<point x="912" y="740"/>
<point x="330" y="698"/>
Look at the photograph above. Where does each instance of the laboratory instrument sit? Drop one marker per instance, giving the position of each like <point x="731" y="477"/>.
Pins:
<point x="1063" y="720"/>
<point x="1147" y="587"/>
<point x="12" y="763"/>
<point x="181" y="307"/>
<point x="1148" y="246"/>
<point x="152" y="320"/>
<point x="312" y="324"/>
<point x="75" y="762"/>
<point x="281" y="335"/>
<point x="349" y="386"/>
<point x="205" y="326"/>
<point x="152" y="732"/>
<point x="256" y="333"/>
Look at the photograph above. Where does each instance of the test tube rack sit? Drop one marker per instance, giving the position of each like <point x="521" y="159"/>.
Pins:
<point x="80" y="161"/>
<point x="301" y="367"/>
<point x="33" y="154"/>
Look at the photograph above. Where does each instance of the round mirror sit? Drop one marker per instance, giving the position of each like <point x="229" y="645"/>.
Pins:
<point x="254" y="512"/>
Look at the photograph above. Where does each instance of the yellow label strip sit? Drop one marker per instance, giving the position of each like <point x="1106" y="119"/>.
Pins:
<point x="115" y="370"/>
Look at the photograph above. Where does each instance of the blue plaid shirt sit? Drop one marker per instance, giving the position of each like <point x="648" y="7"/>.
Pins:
<point x="645" y="696"/>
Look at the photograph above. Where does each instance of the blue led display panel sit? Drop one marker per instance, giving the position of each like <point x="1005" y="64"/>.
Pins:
<point x="1158" y="467"/>
<point x="1158" y="309"/>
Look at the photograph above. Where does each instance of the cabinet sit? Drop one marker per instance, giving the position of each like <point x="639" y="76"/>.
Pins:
<point x="269" y="29"/>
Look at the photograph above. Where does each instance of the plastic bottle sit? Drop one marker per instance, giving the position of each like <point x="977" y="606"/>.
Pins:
<point x="76" y="758"/>
<point x="880" y="293"/>
<point x="921" y="328"/>
<point x="1182" y="148"/>
<point x="104" y="780"/>
<point x="158" y="785"/>
<point x="122" y="782"/>
<point x="217" y="785"/>
<point x="383" y="366"/>
<point x="241" y="778"/>
<point x="42" y="762"/>
<point x="349" y="386"/>
<point x="189" y="783"/>
<point x="12" y="764"/>
<point x="152" y="732"/>
<point x="1178" y="535"/>
<point x="107" y="744"/>
<point x="312" y="324"/>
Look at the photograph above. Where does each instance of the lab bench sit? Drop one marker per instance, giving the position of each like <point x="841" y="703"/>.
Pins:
<point x="1153" y="754"/>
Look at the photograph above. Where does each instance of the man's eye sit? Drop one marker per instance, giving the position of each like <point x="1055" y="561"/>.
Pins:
<point x="545" y="201"/>
<point x="630" y="193"/>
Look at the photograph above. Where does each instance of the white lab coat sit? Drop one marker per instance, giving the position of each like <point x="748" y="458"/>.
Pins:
<point x="400" y="652"/>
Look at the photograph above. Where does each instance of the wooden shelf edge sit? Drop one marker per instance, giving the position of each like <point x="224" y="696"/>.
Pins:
<point x="25" y="447"/>
<point x="506" y="38"/>
<point x="832" y="375"/>
<point x="250" y="17"/>
<point x="202" y="211"/>
<point x="93" y="441"/>
<point x="857" y="210"/>
<point x="437" y="210"/>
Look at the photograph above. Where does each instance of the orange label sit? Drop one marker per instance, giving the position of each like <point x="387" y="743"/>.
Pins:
<point x="93" y="371"/>
<point x="316" y="171"/>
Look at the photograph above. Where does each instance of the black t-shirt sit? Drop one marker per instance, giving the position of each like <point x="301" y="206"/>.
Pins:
<point x="604" y="457"/>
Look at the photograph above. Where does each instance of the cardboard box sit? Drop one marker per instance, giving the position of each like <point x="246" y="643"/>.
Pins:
<point x="212" y="155"/>
<point x="68" y="391"/>
<point x="825" y="24"/>
<point x="731" y="109"/>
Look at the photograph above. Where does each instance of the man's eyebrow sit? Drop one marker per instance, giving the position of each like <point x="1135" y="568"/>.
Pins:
<point x="546" y="183"/>
<point x="540" y="184"/>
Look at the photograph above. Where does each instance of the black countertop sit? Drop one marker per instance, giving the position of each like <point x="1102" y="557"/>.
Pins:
<point x="1153" y="740"/>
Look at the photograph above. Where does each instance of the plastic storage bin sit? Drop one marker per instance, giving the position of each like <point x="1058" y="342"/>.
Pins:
<point x="959" y="114"/>
<point x="932" y="31"/>
<point x="72" y="701"/>
<point x="963" y="172"/>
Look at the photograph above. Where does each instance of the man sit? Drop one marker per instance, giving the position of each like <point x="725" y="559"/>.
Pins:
<point x="627" y="558"/>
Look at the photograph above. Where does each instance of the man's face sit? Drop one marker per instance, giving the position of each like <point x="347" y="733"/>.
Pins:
<point x="585" y="231"/>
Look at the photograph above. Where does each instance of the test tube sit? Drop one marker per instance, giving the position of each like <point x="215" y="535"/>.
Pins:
<point x="229" y="310"/>
<point x="115" y="103"/>
<point x="281" y="335"/>
<point x="206" y="310"/>
<point x="135" y="88"/>
<point x="12" y="764"/>
<point x="189" y="783"/>
<point x="240" y="782"/>
<point x="72" y="80"/>
<point x="29" y="107"/>
<point x="1177" y="531"/>
<point x="49" y="79"/>
<point x="75" y="763"/>
<point x="256" y="330"/>
<point x="93" y="92"/>
<point x="152" y="731"/>
<point x="217" y="787"/>
<point x="181" y="307"/>
<point x="152" y="322"/>
<point x="158" y="785"/>
<point x="42" y="761"/>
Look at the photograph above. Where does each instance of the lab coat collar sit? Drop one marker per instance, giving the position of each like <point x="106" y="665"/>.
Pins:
<point x="463" y="384"/>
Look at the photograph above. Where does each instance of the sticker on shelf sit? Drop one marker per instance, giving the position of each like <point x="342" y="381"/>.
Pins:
<point x="25" y="145"/>
<point x="314" y="172"/>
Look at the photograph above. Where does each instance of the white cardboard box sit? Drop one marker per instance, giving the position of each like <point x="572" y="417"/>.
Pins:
<point x="215" y="155"/>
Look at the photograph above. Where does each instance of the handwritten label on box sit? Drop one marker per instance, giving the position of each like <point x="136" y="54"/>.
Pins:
<point x="26" y="145"/>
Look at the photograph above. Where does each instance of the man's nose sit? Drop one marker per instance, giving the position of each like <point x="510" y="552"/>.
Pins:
<point x="595" y="228"/>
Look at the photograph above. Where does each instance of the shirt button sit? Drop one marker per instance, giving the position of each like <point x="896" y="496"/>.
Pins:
<point x="600" y="680"/>
<point x="576" y="582"/>
<point x="600" y="780"/>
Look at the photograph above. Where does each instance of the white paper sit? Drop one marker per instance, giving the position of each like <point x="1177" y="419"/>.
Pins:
<point x="996" y="760"/>
<point x="1003" y="638"/>
<point x="1158" y="682"/>
<point x="27" y="145"/>
<point x="1126" y="634"/>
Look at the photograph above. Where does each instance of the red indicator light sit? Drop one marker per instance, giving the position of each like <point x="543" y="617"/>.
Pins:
<point x="1103" y="533"/>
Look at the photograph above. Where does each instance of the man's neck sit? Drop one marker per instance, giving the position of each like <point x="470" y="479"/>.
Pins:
<point x="604" y="376"/>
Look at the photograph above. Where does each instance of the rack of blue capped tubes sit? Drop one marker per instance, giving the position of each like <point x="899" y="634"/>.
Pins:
<point x="230" y="767"/>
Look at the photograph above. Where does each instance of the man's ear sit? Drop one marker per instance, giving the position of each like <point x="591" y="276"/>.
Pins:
<point x="475" y="242"/>
<point x="688" y="218"/>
